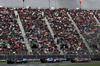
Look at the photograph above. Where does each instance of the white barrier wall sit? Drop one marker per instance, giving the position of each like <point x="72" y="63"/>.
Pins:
<point x="86" y="4"/>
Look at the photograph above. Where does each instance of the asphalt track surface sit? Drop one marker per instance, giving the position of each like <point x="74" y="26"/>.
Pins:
<point x="43" y="64"/>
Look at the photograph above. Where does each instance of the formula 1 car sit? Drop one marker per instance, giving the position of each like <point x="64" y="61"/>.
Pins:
<point x="81" y="60"/>
<point x="50" y="60"/>
<point x="13" y="61"/>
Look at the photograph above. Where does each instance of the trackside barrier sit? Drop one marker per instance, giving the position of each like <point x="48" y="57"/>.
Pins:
<point x="93" y="57"/>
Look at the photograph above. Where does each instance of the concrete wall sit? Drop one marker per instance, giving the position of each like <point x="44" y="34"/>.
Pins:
<point x="86" y="4"/>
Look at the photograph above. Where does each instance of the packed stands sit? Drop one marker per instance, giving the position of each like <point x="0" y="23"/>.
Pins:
<point x="39" y="36"/>
<point x="11" y="41"/>
<point x="68" y="38"/>
<point x="37" y="31"/>
<point x="88" y="26"/>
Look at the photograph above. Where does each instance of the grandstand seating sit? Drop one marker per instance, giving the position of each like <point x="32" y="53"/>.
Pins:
<point x="37" y="31"/>
<point x="39" y="36"/>
<point x="10" y="33"/>
<point x="63" y="28"/>
<point x="88" y="26"/>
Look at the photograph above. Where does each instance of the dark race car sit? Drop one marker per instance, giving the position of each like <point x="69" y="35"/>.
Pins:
<point x="12" y="61"/>
<point x="50" y="60"/>
<point x="81" y="60"/>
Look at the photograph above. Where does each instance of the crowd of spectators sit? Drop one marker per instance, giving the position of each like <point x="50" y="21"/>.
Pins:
<point x="63" y="28"/>
<point x="39" y="36"/>
<point x="37" y="31"/>
<point x="11" y="41"/>
<point x="88" y="26"/>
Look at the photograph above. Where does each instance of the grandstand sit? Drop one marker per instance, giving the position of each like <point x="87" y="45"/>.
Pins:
<point x="49" y="31"/>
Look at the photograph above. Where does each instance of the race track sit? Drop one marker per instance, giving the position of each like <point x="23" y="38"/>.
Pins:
<point x="43" y="64"/>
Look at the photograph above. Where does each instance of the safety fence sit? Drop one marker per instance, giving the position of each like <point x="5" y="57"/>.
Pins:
<point x="47" y="56"/>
